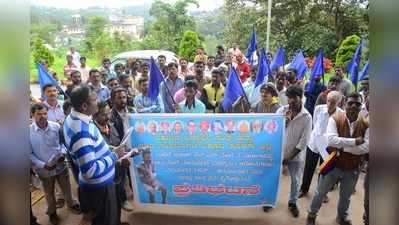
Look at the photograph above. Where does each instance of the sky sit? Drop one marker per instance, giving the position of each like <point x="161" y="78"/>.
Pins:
<point x="205" y="5"/>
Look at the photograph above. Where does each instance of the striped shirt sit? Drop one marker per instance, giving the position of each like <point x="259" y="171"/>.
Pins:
<point x="89" y="151"/>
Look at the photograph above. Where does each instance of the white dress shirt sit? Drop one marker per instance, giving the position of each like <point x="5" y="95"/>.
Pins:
<point x="348" y="144"/>
<point x="318" y="140"/>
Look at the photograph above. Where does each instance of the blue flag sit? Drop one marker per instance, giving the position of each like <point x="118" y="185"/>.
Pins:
<point x="156" y="79"/>
<point x="299" y="64"/>
<point x="233" y="90"/>
<point x="263" y="68"/>
<point x="364" y="72"/>
<point x="46" y="78"/>
<point x="252" y="46"/>
<point x="279" y="59"/>
<point x="317" y="71"/>
<point x="353" y="66"/>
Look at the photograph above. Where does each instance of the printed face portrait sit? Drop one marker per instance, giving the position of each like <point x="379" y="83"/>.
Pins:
<point x="204" y="126"/>
<point x="257" y="126"/>
<point x="140" y="128"/>
<point x="152" y="127"/>
<point x="230" y="125"/>
<point x="243" y="126"/>
<point x="217" y="126"/>
<point x="178" y="127"/>
<point x="164" y="127"/>
<point x="191" y="127"/>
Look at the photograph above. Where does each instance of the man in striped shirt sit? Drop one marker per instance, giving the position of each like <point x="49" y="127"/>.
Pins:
<point x="94" y="158"/>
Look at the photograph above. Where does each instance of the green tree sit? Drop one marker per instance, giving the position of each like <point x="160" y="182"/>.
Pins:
<point x="346" y="50"/>
<point x="97" y="43"/>
<point x="171" y="20"/>
<point x="41" y="52"/>
<point x="189" y="44"/>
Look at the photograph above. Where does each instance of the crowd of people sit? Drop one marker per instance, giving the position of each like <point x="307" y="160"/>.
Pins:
<point x="83" y="130"/>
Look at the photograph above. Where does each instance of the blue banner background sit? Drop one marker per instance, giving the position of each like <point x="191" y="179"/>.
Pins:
<point x="198" y="168"/>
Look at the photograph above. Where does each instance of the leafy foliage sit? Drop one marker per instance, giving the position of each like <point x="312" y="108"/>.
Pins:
<point x="41" y="52"/>
<point x="189" y="44"/>
<point x="346" y="50"/>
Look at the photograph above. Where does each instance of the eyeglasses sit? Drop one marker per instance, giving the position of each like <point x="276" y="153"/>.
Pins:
<point x="357" y="104"/>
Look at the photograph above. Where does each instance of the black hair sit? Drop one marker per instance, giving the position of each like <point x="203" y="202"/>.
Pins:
<point x="47" y="86"/>
<point x="93" y="71"/>
<point x="218" y="62"/>
<point x="161" y="56"/>
<point x="106" y="60"/>
<point x="294" y="91"/>
<point x="199" y="62"/>
<point x="111" y="79"/>
<point x="74" y="72"/>
<point x="118" y="65"/>
<point x="217" y="71"/>
<point x="82" y="57"/>
<point x="335" y="79"/>
<point x="37" y="106"/>
<point x="182" y="58"/>
<point x="145" y="64"/>
<point x="354" y="95"/>
<point x="142" y="80"/>
<point x="117" y="90"/>
<point x="191" y="84"/>
<point x="80" y="95"/>
<point x="211" y="57"/>
<point x="123" y="77"/>
<point x="269" y="88"/>
<point x="100" y="105"/>
<point x="173" y="64"/>
<point x="189" y="77"/>
<point x="281" y="74"/>
<point x="67" y="104"/>
<point x="219" y="47"/>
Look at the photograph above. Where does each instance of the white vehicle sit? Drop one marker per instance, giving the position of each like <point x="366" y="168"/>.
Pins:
<point x="143" y="56"/>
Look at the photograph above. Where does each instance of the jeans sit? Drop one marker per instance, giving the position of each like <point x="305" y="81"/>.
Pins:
<point x="348" y="180"/>
<point x="310" y="166"/>
<point x="49" y="188"/>
<point x="295" y="169"/>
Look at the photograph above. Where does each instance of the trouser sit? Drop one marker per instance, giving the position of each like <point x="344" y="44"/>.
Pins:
<point x="49" y="187"/>
<point x="101" y="204"/>
<point x="120" y="191"/>
<point x="366" y="198"/>
<point x="310" y="166"/>
<point x="347" y="179"/>
<point x="295" y="169"/>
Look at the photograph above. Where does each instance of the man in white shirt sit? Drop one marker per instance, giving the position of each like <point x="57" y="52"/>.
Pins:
<point x="280" y="85"/>
<point x="318" y="140"/>
<point x="75" y="56"/>
<point x="348" y="135"/>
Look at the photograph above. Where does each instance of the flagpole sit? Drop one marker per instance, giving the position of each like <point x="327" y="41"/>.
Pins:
<point x="269" y="16"/>
<point x="167" y="89"/>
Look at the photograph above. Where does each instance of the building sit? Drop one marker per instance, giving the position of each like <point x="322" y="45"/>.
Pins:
<point x="130" y="25"/>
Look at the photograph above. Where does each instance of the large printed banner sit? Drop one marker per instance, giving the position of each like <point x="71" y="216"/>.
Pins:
<point x="207" y="159"/>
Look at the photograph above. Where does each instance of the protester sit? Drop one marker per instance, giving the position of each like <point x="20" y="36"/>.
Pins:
<point x="220" y="56"/>
<point x="348" y="135"/>
<point x="143" y="103"/>
<point x="209" y="66"/>
<point x="243" y="69"/>
<point x="118" y="70"/>
<point x="191" y="104"/>
<point x="269" y="102"/>
<point x="333" y="85"/>
<point x="125" y="81"/>
<point x="48" y="157"/>
<point x="95" y="82"/>
<point x="183" y="70"/>
<point x="346" y="85"/>
<point x="132" y="67"/>
<point x="76" y="79"/>
<point x="106" y="62"/>
<point x="250" y="90"/>
<point x="170" y="86"/>
<point x="298" y="126"/>
<point x="180" y="95"/>
<point x="312" y="94"/>
<point x="84" y="69"/>
<point x="364" y="88"/>
<point x="162" y="65"/>
<point x="96" y="171"/>
<point x="201" y="56"/>
<point x="318" y="140"/>
<point x="199" y="68"/>
<point x="75" y="56"/>
<point x="112" y="83"/>
<point x="281" y="88"/>
<point x="69" y="67"/>
<point x="111" y="137"/>
<point x="54" y="108"/>
<point x="214" y="92"/>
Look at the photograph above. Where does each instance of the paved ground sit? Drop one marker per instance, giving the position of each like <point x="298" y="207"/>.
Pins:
<point x="156" y="215"/>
